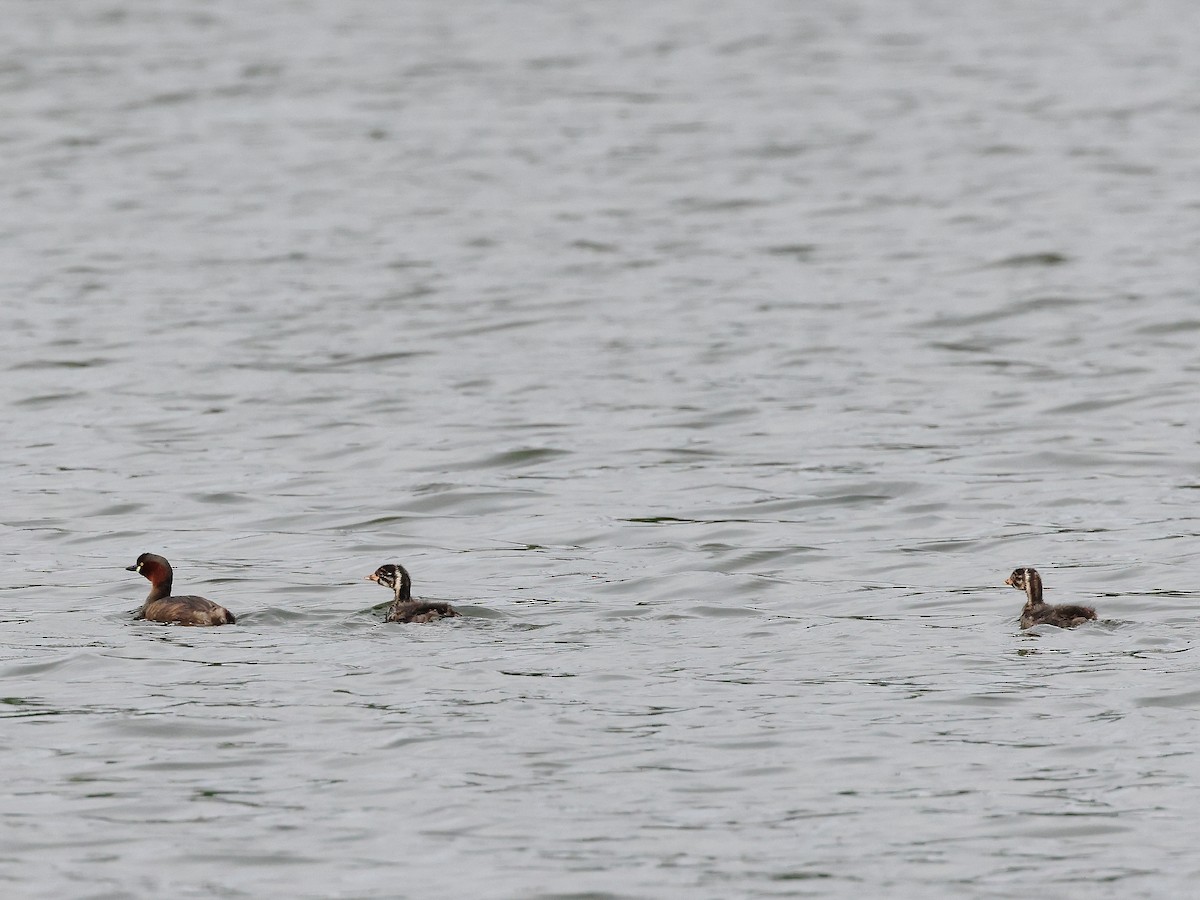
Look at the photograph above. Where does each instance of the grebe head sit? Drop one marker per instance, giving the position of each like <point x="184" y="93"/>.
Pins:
<point x="152" y="567"/>
<point x="394" y="578"/>
<point x="1028" y="580"/>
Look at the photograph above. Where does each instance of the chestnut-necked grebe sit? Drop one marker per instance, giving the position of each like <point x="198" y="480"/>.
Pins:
<point x="160" y="606"/>
<point x="1036" y="611"/>
<point x="404" y="608"/>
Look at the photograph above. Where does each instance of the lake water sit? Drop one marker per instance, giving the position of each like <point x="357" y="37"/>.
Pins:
<point x="719" y="361"/>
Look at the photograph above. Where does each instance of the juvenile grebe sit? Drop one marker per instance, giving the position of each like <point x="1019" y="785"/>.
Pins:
<point x="1036" y="611"/>
<point x="160" y="606"/>
<point x="404" y="608"/>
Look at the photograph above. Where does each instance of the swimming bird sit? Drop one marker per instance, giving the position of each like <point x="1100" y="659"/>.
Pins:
<point x="1037" y="611"/>
<point x="404" y="608"/>
<point x="161" y="606"/>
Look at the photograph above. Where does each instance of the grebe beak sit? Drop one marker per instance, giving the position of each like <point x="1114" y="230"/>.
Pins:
<point x="132" y="568"/>
<point x="1008" y="581"/>
<point x="372" y="577"/>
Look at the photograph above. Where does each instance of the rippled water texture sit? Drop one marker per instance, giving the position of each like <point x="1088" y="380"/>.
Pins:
<point x="718" y="360"/>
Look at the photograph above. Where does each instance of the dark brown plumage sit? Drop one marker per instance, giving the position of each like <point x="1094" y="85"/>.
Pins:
<point x="404" y="608"/>
<point x="1037" y="611"/>
<point x="160" y="606"/>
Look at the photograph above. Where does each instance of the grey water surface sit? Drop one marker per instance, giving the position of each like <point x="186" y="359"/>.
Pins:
<point x="718" y="360"/>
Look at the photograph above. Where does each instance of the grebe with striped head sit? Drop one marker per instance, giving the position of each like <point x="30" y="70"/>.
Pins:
<point x="1037" y="611"/>
<point x="404" y="608"/>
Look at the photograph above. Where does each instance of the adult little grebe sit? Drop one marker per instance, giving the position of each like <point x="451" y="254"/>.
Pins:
<point x="1037" y="612"/>
<point x="160" y="606"/>
<point x="404" y="608"/>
